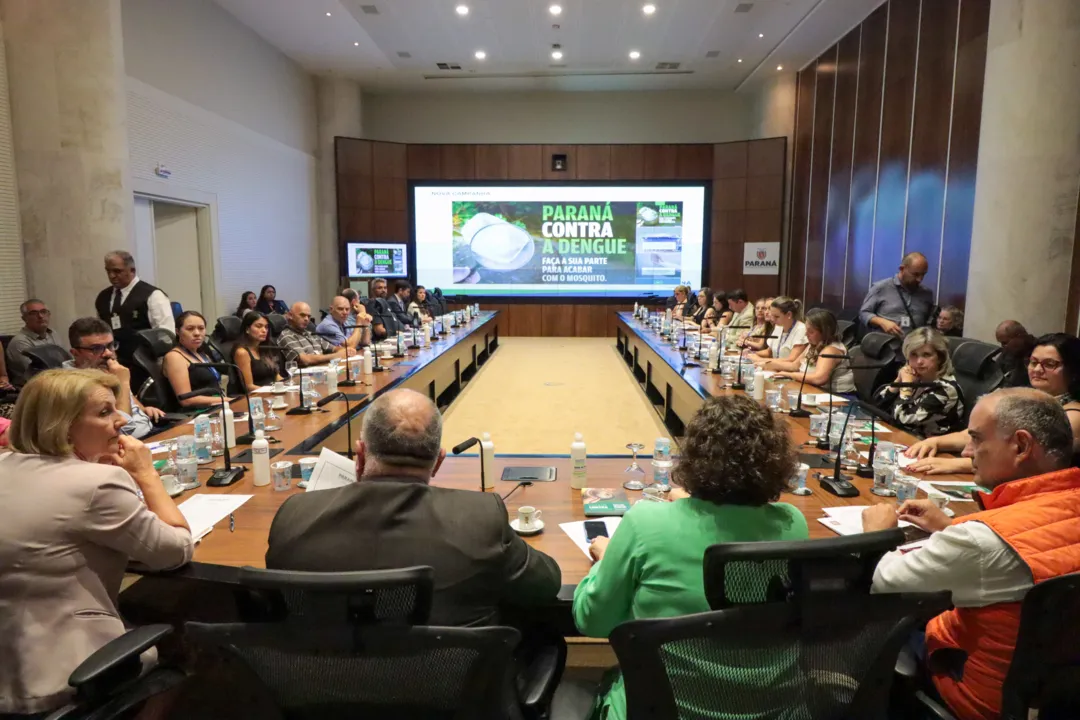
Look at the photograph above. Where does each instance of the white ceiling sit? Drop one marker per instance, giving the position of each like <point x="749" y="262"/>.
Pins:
<point x="517" y="35"/>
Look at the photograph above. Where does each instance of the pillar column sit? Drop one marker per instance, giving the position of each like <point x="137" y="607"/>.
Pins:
<point x="338" y="115"/>
<point x="65" y="61"/>
<point x="1028" y="175"/>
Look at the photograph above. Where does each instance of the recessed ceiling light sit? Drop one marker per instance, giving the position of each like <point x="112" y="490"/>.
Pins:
<point x="328" y="15"/>
<point x="480" y="54"/>
<point x="555" y="9"/>
<point x="556" y="55"/>
<point x="634" y="54"/>
<point x="740" y="59"/>
<point x="462" y="9"/>
<point x="649" y="9"/>
<point x="779" y="67"/>
<point x="761" y="35"/>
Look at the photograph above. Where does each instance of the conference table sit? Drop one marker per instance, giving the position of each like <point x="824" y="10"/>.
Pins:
<point x="676" y="392"/>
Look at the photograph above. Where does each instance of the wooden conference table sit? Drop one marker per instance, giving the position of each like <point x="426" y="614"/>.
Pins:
<point x="440" y="372"/>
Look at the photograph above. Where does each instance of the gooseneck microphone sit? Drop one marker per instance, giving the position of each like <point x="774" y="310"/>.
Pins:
<point x="463" y="446"/>
<point x="348" y="415"/>
<point x="227" y="475"/>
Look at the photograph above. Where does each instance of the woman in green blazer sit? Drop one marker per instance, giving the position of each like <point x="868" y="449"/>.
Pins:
<point x="736" y="459"/>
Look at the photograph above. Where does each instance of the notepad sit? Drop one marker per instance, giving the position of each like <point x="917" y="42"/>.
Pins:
<point x="332" y="471"/>
<point x="204" y="511"/>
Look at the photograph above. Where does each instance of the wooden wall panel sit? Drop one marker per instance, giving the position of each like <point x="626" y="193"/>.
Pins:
<point x="591" y="320"/>
<point x="695" y="162"/>
<point x="819" y="176"/>
<point x="423" y="162"/>
<point x="610" y="319"/>
<point x="594" y="162"/>
<point x="571" y="162"/>
<point x="458" y="162"/>
<point x="524" y="320"/>
<point x="911" y="172"/>
<point x="557" y="320"/>
<point x="661" y="162"/>
<point x="525" y="162"/>
<point x="930" y="128"/>
<point x="952" y="266"/>
<point x="766" y="157"/>
<point x="731" y="160"/>
<point x="800" y="199"/>
<point x="836" y="222"/>
<point x="895" y="137"/>
<point x="627" y="162"/>
<point x="388" y="160"/>
<point x="491" y="162"/>
<point x="864" y="175"/>
<point x="353" y="156"/>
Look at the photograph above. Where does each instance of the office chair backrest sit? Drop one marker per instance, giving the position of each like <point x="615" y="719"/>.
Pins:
<point x="831" y="657"/>
<point x="977" y="372"/>
<point x="847" y="332"/>
<point x="327" y="671"/>
<point x="875" y="361"/>
<point x="749" y="573"/>
<point x="955" y="342"/>
<point x="439" y="306"/>
<point x="46" y="357"/>
<point x="150" y="346"/>
<point x="177" y="309"/>
<point x="227" y="328"/>
<point x="1045" y="669"/>
<point x="278" y="323"/>
<point x="355" y="598"/>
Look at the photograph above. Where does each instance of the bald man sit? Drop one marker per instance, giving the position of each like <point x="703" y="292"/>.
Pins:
<point x="338" y="327"/>
<point x="899" y="304"/>
<point x="1016" y="346"/>
<point x="304" y="346"/>
<point x="393" y="517"/>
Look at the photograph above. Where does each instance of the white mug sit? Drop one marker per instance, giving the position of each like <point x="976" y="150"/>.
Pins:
<point x="940" y="500"/>
<point x="527" y="515"/>
<point x="279" y="387"/>
<point x="172" y="484"/>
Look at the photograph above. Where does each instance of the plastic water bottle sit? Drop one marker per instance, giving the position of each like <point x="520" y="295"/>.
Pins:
<point x="487" y="461"/>
<point x="203" y="440"/>
<point x="661" y="463"/>
<point x="331" y="378"/>
<point x="577" y="457"/>
<point x="401" y="343"/>
<point x="662" y="450"/>
<point x="714" y="356"/>
<point x="637" y="308"/>
<point x="228" y="426"/>
<point x="759" y="384"/>
<point x="368" y="367"/>
<point x="427" y="333"/>
<point x="260" y="459"/>
<point x="258" y="414"/>
<point x="477" y="308"/>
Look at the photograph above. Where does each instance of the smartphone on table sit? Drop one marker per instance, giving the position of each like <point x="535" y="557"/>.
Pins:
<point x="595" y="529"/>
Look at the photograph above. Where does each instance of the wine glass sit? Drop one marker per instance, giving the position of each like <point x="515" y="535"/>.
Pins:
<point x="634" y="483"/>
<point x="291" y="370"/>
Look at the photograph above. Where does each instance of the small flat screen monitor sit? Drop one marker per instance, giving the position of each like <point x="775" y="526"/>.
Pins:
<point x="374" y="260"/>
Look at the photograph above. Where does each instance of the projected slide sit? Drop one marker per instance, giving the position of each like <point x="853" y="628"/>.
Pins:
<point x="500" y="240"/>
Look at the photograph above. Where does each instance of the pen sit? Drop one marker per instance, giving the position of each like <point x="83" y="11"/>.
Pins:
<point x="232" y="522"/>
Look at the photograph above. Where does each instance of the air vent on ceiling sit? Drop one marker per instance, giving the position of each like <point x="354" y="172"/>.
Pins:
<point x="448" y="66"/>
<point x="402" y="54"/>
<point x="712" y="54"/>
<point x="667" y="66"/>
<point x="369" y="9"/>
<point x="744" y="7"/>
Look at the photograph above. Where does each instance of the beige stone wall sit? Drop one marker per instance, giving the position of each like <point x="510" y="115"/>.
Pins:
<point x="339" y="115"/>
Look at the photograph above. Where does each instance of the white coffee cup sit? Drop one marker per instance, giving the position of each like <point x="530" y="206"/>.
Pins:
<point x="172" y="484"/>
<point x="528" y="516"/>
<point x="940" y="500"/>
<point x="278" y="387"/>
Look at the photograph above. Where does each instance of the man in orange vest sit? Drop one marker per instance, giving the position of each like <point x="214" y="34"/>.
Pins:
<point x="1028" y="531"/>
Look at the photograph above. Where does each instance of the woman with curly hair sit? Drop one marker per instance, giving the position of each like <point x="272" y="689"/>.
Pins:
<point x="736" y="459"/>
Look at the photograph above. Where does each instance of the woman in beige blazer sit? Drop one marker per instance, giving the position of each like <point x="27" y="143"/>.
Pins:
<point x="77" y="501"/>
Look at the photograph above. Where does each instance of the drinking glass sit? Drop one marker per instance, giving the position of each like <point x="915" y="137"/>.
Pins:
<point x="883" y="477"/>
<point x="792" y="399"/>
<point x="217" y="442"/>
<point x="291" y="369"/>
<point x="272" y="419"/>
<point x="634" y="483"/>
<point x="818" y="424"/>
<point x="772" y="400"/>
<point x="798" y="481"/>
<point x="905" y="487"/>
<point x="281" y="471"/>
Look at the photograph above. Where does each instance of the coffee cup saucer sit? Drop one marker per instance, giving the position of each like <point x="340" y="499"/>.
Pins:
<point x="537" y="527"/>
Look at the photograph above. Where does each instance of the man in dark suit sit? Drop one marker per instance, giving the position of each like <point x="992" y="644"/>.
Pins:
<point x="399" y="303"/>
<point x="392" y="517"/>
<point x="383" y="322"/>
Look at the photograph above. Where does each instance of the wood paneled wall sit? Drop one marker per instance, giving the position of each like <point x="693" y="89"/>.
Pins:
<point x="886" y="143"/>
<point x="747" y="203"/>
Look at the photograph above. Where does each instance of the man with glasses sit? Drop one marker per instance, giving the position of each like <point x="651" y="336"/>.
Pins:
<point x="93" y="348"/>
<point x="35" y="332"/>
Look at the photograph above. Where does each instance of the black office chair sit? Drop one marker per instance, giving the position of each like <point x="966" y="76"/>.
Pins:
<point x="150" y="347"/>
<point x="875" y="361"/>
<point x="111" y="684"/>
<point x="45" y="357"/>
<point x="954" y="343"/>
<point x="847" y="331"/>
<point x="440" y="301"/>
<point x="323" y="671"/>
<point x="977" y="371"/>
<point x="354" y="598"/>
<point x="750" y="573"/>
<point x="278" y="323"/>
<point x="820" y="655"/>
<point x="1045" y="669"/>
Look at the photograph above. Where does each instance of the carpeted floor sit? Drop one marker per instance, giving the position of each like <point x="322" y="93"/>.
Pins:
<point x="535" y="393"/>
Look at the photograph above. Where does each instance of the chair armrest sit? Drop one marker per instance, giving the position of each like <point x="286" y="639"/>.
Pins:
<point x="117" y="661"/>
<point x="907" y="666"/>
<point x="538" y="681"/>
<point x="933" y="707"/>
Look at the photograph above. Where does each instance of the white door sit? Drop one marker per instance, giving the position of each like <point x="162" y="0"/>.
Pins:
<point x="176" y="254"/>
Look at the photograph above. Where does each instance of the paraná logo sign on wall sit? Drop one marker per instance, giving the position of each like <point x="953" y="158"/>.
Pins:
<point x="761" y="258"/>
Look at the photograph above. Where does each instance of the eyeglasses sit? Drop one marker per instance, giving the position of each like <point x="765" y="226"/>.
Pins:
<point x="98" y="349"/>
<point x="39" y="313"/>
<point x="1048" y="365"/>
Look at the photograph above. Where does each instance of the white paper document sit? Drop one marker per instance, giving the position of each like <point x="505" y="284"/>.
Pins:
<point x="576" y="531"/>
<point x="901" y="459"/>
<point x="822" y="399"/>
<point x="847" y="519"/>
<point x="332" y="471"/>
<point x="965" y="485"/>
<point x="204" y="511"/>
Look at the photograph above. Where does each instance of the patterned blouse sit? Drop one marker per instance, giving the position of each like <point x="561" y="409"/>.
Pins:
<point x="929" y="411"/>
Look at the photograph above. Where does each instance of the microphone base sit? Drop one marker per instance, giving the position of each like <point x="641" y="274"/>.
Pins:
<point x="823" y="445"/>
<point x="738" y="386"/>
<point x="299" y="411"/>
<point x="865" y="471"/>
<point x="378" y="369"/>
<point x="346" y="383"/>
<point x="223" y="478"/>
<point x="398" y="357"/>
<point x="245" y="439"/>
<point x="796" y="413"/>
<point x="691" y="364"/>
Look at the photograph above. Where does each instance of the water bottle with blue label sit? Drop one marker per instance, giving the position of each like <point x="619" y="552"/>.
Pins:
<point x="258" y="414"/>
<point x="203" y="439"/>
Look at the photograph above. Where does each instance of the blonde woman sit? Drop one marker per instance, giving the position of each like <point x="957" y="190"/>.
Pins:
<point x="935" y="409"/>
<point x="682" y="295"/>
<point x="78" y="501"/>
